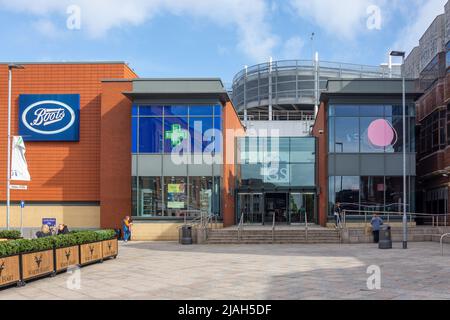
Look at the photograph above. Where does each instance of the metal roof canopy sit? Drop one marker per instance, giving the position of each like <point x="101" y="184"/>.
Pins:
<point x="370" y="87"/>
<point x="171" y="88"/>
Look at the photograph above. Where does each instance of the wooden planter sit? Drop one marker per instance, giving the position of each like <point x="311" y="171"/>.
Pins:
<point x="9" y="270"/>
<point x="91" y="252"/>
<point x="110" y="248"/>
<point x="66" y="257"/>
<point x="37" y="264"/>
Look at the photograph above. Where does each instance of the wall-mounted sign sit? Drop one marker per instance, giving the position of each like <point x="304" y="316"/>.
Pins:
<point x="176" y="135"/>
<point x="49" y="117"/>
<point x="51" y="222"/>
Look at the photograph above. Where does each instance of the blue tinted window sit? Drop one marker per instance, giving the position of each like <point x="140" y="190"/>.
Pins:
<point x="150" y="135"/>
<point x="176" y="111"/>
<point x="218" y="110"/>
<point x="341" y="110"/>
<point x="152" y="110"/>
<point x="134" y="110"/>
<point x="134" y="125"/>
<point x="197" y="129"/>
<point x="175" y="133"/>
<point x="200" y="111"/>
<point x="371" y="110"/>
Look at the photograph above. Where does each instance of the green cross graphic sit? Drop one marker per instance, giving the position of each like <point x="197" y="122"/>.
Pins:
<point x="176" y="136"/>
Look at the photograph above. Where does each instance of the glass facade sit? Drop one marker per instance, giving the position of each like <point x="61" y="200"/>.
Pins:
<point x="370" y="128"/>
<point x="201" y="123"/>
<point x="158" y="131"/>
<point x="370" y="193"/>
<point x="276" y="162"/>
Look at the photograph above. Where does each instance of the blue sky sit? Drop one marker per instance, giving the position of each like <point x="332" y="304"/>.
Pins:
<point x="210" y="38"/>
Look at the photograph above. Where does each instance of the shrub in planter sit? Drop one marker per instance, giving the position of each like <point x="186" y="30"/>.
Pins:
<point x="10" y="234"/>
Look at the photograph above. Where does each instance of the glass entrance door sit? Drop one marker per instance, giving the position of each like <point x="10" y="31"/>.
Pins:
<point x="251" y="205"/>
<point x="301" y="205"/>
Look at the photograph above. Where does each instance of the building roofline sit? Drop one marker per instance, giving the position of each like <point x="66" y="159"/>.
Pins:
<point x="62" y="62"/>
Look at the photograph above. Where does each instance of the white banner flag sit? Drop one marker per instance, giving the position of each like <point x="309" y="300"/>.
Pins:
<point x="19" y="167"/>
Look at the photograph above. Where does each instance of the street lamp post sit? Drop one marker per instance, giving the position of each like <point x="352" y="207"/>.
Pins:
<point x="8" y="166"/>
<point x="405" y="218"/>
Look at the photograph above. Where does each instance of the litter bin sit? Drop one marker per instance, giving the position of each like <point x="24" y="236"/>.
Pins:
<point x="385" y="237"/>
<point x="186" y="235"/>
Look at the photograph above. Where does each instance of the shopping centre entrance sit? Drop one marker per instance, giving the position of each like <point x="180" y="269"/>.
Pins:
<point x="288" y="208"/>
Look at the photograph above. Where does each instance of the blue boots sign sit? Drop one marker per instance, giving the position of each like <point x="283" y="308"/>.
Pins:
<point x="49" y="117"/>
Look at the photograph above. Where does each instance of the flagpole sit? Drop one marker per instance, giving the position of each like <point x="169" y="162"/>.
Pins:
<point x="8" y="166"/>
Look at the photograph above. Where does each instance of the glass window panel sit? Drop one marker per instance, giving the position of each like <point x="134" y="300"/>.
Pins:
<point x="150" y="135"/>
<point x="394" y="192"/>
<point x="303" y="150"/>
<point x="201" y="111"/>
<point x="197" y="128"/>
<point x="170" y="111"/>
<point x="302" y="175"/>
<point x="371" y="110"/>
<point x="150" y="197"/>
<point x="376" y="134"/>
<point x="331" y="138"/>
<point x="347" y="192"/>
<point x="150" y="110"/>
<point x="176" y="196"/>
<point x="134" y="110"/>
<point x="331" y="112"/>
<point x="134" y="126"/>
<point x="372" y="193"/>
<point x="217" y="110"/>
<point x="342" y="110"/>
<point x="274" y="149"/>
<point x="201" y="194"/>
<point x="176" y="134"/>
<point x="347" y="135"/>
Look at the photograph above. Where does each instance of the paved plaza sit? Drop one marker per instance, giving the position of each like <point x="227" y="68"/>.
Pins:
<point x="167" y="270"/>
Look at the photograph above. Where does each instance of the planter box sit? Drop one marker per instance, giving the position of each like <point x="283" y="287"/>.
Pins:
<point x="110" y="248"/>
<point x="37" y="264"/>
<point x="9" y="270"/>
<point x="90" y="252"/>
<point x="66" y="257"/>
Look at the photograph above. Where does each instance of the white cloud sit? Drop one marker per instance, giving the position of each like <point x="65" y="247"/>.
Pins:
<point x="344" y="19"/>
<point x="423" y="16"/>
<point x="247" y="17"/>
<point x="47" y="28"/>
<point x="292" y="48"/>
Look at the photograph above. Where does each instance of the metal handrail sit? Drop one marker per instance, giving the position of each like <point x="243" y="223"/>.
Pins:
<point x="241" y="225"/>
<point x="442" y="242"/>
<point x="306" y="226"/>
<point x="435" y="217"/>
<point x="273" y="228"/>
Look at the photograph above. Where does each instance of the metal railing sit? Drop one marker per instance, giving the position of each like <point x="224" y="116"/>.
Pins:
<point x="306" y="226"/>
<point x="445" y="235"/>
<point x="273" y="228"/>
<point x="279" y="116"/>
<point x="240" y="226"/>
<point x="437" y="220"/>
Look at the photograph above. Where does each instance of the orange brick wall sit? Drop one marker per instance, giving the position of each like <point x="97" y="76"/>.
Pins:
<point x="60" y="171"/>
<point x="230" y="121"/>
<point x="115" y="157"/>
<point x="320" y="125"/>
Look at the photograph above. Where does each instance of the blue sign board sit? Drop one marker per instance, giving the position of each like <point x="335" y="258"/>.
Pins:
<point x="49" y="117"/>
<point x="22" y="204"/>
<point x="51" y="222"/>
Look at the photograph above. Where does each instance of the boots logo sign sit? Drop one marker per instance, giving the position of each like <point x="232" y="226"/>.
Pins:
<point x="49" y="117"/>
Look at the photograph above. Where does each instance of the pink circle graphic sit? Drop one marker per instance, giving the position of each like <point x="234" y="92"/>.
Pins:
<point x="381" y="133"/>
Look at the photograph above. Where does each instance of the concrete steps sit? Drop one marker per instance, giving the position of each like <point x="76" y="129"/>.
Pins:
<point x="230" y="236"/>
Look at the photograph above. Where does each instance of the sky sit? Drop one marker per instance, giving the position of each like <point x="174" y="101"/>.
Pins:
<point x="210" y="38"/>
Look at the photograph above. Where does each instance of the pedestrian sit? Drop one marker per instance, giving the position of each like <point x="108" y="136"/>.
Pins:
<point x="63" y="229"/>
<point x="126" y="228"/>
<point x="337" y="214"/>
<point x="44" y="232"/>
<point x="376" y="223"/>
